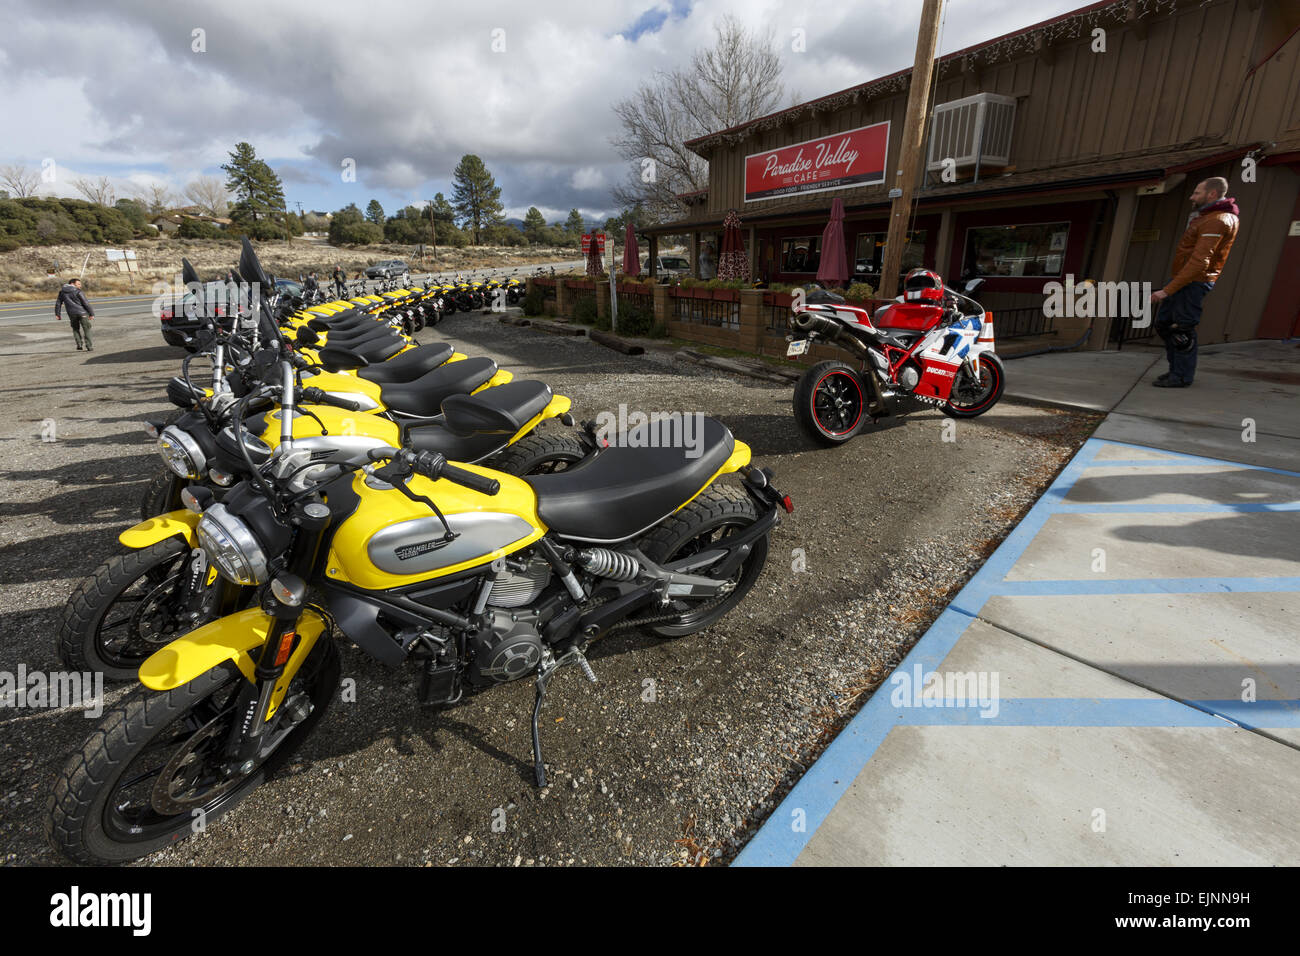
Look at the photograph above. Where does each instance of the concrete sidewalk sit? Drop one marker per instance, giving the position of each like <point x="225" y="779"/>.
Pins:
<point x="1121" y="680"/>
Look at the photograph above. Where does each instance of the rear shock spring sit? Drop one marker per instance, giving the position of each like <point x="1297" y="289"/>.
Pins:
<point x="605" y="563"/>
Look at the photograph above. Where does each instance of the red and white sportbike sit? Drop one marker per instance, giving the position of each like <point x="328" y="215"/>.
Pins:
<point x="935" y="347"/>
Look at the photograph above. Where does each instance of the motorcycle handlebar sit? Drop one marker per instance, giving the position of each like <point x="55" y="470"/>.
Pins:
<point x="433" y="465"/>
<point x="316" y="396"/>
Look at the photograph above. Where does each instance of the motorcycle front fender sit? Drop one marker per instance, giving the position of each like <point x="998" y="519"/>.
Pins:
<point x="236" y="638"/>
<point x="161" y="527"/>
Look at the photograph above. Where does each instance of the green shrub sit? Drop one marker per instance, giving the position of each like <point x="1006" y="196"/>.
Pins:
<point x="534" y="301"/>
<point x="859" y="290"/>
<point x="635" y="321"/>
<point x="584" y="311"/>
<point x="197" y="229"/>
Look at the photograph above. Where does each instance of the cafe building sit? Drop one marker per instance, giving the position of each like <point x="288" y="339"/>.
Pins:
<point x="1065" y="151"/>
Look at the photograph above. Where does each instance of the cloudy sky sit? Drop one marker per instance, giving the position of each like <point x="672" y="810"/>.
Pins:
<point x="403" y="89"/>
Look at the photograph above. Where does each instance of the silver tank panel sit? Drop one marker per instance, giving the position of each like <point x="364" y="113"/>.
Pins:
<point x="416" y="546"/>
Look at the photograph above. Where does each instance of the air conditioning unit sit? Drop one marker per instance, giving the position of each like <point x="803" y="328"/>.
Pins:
<point x="973" y="128"/>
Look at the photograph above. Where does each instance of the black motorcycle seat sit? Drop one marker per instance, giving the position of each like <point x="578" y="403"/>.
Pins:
<point x="620" y="491"/>
<point x="437" y="437"/>
<point x="496" y="411"/>
<point x="423" y="397"/>
<point x="409" y="365"/>
<point x="825" y="297"/>
<point x="372" y="350"/>
<point x="363" y="334"/>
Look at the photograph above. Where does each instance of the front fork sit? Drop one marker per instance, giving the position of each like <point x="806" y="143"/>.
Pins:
<point x="282" y="598"/>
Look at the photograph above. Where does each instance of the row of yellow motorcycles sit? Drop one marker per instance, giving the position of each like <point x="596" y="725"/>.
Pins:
<point x="327" y="479"/>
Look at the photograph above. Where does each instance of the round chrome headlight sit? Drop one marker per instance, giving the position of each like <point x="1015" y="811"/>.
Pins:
<point x="181" y="453"/>
<point x="231" y="546"/>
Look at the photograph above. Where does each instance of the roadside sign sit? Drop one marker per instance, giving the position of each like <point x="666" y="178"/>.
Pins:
<point x="586" y="243"/>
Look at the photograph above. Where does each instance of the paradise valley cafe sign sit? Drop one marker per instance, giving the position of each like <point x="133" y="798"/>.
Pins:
<point x="839" y="161"/>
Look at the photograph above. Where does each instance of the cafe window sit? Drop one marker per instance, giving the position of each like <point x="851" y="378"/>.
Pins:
<point x="802" y="254"/>
<point x="870" y="253"/>
<point x="1036" y="249"/>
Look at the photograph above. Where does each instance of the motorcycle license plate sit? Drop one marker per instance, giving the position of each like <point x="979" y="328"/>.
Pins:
<point x="797" y="348"/>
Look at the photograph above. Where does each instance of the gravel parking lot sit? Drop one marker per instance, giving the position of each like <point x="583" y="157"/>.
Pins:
<point x="680" y="750"/>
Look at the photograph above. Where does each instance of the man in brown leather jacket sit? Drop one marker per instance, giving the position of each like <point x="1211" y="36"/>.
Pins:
<point x="1198" y="261"/>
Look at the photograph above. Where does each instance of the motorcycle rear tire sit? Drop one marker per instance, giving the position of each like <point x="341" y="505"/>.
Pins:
<point x="828" y="381"/>
<point x="693" y="529"/>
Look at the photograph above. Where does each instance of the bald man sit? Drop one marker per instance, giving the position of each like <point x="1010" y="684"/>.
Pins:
<point x="1198" y="262"/>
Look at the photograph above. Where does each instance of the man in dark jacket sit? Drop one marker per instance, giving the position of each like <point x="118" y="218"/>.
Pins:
<point x="340" y="281"/>
<point x="1198" y="260"/>
<point x="79" y="313"/>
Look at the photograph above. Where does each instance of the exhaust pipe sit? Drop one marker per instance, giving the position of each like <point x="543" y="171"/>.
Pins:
<point x="828" y="329"/>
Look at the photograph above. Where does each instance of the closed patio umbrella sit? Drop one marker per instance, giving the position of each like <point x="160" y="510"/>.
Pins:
<point x="594" y="265"/>
<point x="631" y="254"/>
<point x="834" y="268"/>
<point x="733" y="262"/>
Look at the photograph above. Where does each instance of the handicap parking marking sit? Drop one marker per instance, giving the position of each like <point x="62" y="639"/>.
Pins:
<point x="815" y="795"/>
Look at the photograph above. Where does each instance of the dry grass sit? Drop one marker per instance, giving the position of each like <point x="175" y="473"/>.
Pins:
<point x="25" y="274"/>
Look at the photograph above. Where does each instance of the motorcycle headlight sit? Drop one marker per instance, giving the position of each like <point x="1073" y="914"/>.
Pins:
<point x="231" y="546"/>
<point x="181" y="453"/>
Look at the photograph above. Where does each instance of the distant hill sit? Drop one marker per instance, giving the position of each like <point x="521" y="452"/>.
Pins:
<point x="517" y="223"/>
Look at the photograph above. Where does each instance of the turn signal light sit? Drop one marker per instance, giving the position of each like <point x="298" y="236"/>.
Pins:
<point x="788" y="505"/>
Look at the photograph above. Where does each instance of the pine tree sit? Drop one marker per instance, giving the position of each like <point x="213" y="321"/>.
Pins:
<point x="375" y="213"/>
<point x="443" y="211"/>
<point x="574" y="225"/>
<point x="259" y="194"/>
<point x="534" y="224"/>
<point x="476" y="196"/>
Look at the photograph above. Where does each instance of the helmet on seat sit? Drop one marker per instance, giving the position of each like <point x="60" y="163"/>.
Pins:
<point x="922" y="285"/>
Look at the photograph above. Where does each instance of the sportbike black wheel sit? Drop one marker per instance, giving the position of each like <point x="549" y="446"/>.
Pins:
<point x="126" y="610"/>
<point x="830" y="403"/>
<point x="968" y="397"/>
<point x="698" y="527"/>
<point x="539" y="454"/>
<point x="152" y="772"/>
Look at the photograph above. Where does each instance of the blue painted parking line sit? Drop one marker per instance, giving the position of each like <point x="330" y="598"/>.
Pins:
<point x="779" y="843"/>
<point x="1069" y="588"/>
<point x="1101" y="712"/>
<point x="1179" y="459"/>
<point x="1190" y="508"/>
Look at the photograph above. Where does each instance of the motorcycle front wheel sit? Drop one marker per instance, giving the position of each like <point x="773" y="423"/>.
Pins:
<point x="830" y="403"/>
<point x="151" y="773"/>
<point x="968" y="397"/>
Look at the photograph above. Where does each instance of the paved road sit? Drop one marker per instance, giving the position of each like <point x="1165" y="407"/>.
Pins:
<point x="139" y="306"/>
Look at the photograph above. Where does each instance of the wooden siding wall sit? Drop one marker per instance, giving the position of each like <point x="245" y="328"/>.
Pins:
<point x="1171" y="87"/>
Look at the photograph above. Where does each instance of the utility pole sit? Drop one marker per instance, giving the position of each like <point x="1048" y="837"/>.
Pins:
<point x="433" y="232"/>
<point x="909" y="151"/>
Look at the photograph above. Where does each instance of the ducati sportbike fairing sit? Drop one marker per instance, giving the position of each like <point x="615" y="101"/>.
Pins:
<point x="935" y="348"/>
<point x="474" y="577"/>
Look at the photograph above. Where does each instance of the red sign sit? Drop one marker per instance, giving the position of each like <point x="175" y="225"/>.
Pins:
<point x="841" y="161"/>
<point x="586" y="243"/>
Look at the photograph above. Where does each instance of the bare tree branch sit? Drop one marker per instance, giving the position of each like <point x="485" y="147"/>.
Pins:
<point x="98" y="191"/>
<point x="736" y="80"/>
<point x="209" y="192"/>
<point x="157" y="197"/>
<point x="19" y="180"/>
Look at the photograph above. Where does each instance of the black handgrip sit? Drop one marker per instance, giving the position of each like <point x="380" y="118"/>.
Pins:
<point x="315" y="396"/>
<point x="434" y="465"/>
<point x="471" y="479"/>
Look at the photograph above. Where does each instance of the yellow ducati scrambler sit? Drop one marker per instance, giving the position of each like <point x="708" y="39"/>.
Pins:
<point x="135" y="602"/>
<point x="474" y="576"/>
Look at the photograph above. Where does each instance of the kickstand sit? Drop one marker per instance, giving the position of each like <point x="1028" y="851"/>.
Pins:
<point x="539" y="767"/>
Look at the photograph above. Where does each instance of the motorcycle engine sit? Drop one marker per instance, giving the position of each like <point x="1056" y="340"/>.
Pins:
<point x="508" y="649"/>
<point x="908" y="377"/>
